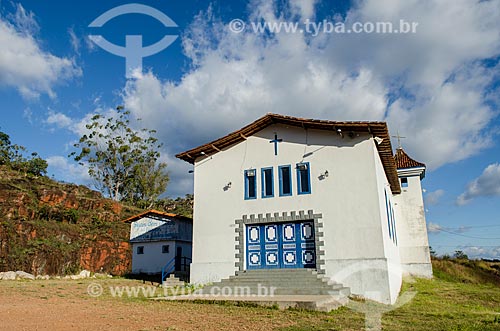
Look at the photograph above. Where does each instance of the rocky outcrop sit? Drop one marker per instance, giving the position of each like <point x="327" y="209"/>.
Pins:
<point x="47" y="227"/>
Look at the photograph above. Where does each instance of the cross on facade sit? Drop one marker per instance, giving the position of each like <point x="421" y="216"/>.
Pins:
<point x="399" y="139"/>
<point x="275" y="141"/>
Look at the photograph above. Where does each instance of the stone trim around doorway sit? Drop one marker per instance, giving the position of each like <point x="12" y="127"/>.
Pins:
<point x="283" y="217"/>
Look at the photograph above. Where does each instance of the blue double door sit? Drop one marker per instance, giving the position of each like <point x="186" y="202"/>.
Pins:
<point x="280" y="245"/>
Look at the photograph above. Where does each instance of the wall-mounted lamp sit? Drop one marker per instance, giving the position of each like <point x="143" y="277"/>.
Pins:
<point x="250" y="173"/>
<point x="227" y="187"/>
<point x="202" y="153"/>
<point x="323" y="175"/>
<point x="191" y="171"/>
<point x="339" y="132"/>
<point x="302" y="166"/>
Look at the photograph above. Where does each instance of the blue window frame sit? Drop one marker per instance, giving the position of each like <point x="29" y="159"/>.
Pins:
<point x="394" y="235"/>
<point x="303" y="178"/>
<point x="267" y="182"/>
<point x="250" y="184"/>
<point x="388" y="214"/>
<point x="285" y="178"/>
<point x="404" y="182"/>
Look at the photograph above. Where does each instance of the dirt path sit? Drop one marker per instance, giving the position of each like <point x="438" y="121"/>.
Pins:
<point x="65" y="305"/>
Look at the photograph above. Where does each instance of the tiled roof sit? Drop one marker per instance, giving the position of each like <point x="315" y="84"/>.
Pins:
<point x="403" y="161"/>
<point x="376" y="129"/>
<point x="154" y="212"/>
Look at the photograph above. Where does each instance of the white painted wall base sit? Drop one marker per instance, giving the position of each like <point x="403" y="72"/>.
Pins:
<point x="205" y="273"/>
<point x="374" y="279"/>
<point x="420" y="270"/>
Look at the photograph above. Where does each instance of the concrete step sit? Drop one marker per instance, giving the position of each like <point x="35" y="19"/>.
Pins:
<point x="298" y="281"/>
<point x="272" y="290"/>
<point x="288" y="282"/>
<point x="276" y="272"/>
<point x="284" y="282"/>
<point x="172" y="281"/>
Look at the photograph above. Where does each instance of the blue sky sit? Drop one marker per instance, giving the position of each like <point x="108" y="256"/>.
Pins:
<point x="438" y="86"/>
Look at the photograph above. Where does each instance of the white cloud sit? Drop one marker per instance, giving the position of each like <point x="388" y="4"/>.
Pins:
<point x="430" y="85"/>
<point x="59" y="119"/>
<point x="303" y="8"/>
<point x="23" y="63"/>
<point x="433" y="227"/>
<point x="239" y="77"/>
<point x="432" y="198"/>
<point x="68" y="171"/>
<point x="481" y="252"/>
<point x="24" y="20"/>
<point x="488" y="184"/>
<point x="74" y="41"/>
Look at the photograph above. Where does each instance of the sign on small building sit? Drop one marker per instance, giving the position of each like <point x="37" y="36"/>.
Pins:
<point x="160" y="238"/>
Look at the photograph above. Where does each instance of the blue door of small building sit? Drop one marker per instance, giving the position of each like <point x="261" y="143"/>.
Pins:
<point x="281" y="245"/>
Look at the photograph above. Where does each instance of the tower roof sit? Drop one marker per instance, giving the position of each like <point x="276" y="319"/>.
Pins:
<point x="403" y="161"/>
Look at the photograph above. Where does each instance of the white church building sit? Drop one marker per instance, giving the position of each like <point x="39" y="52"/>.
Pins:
<point x="293" y="193"/>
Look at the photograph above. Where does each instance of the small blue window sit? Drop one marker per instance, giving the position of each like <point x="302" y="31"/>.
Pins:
<point x="404" y="182"/>
<point x="250" y="184"/>
<point x="303" y="178"/>
<point x="140" y="249"/>
<point x="388" y="215"/>
<point x="267" y="183"/>
<point x="395" y="237"/>
<point x="285" y="177"/>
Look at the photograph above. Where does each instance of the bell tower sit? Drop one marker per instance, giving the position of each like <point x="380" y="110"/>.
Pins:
<point x="410" y="215"/>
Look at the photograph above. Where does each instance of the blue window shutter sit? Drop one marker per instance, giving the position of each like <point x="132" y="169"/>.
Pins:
<point x="285" y="180"/>
<point x="303" y="178"/>
<point x="267" y="181"/>
<point x="250" y="185"/>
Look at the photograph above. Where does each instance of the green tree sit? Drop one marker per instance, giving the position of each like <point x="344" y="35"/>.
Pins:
<point x="5" y="147"/>
<point x="13" y="156"/>
<point x="123" y="162"/>
<point x="150" y="182"/>
<point x="460" y="255"/>
<point x="36" y="165"/>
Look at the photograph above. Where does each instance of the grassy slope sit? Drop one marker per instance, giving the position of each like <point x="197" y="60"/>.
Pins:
<point x="463" y="295"/>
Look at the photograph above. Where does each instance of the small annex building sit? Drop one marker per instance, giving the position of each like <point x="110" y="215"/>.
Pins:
<point x="159" y="238"/>
<point x="294" y="193"/>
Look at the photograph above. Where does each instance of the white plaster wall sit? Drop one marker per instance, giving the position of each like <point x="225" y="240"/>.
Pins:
<point x="391" y="249"/>
<point x="349" y="200"/>
<point x="412" y="230"/>
<point x="153" y="260"/>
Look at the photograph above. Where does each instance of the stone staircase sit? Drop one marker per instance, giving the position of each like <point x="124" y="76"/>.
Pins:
<point x="173" y="281"/>
<point x="300" y="288"/>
